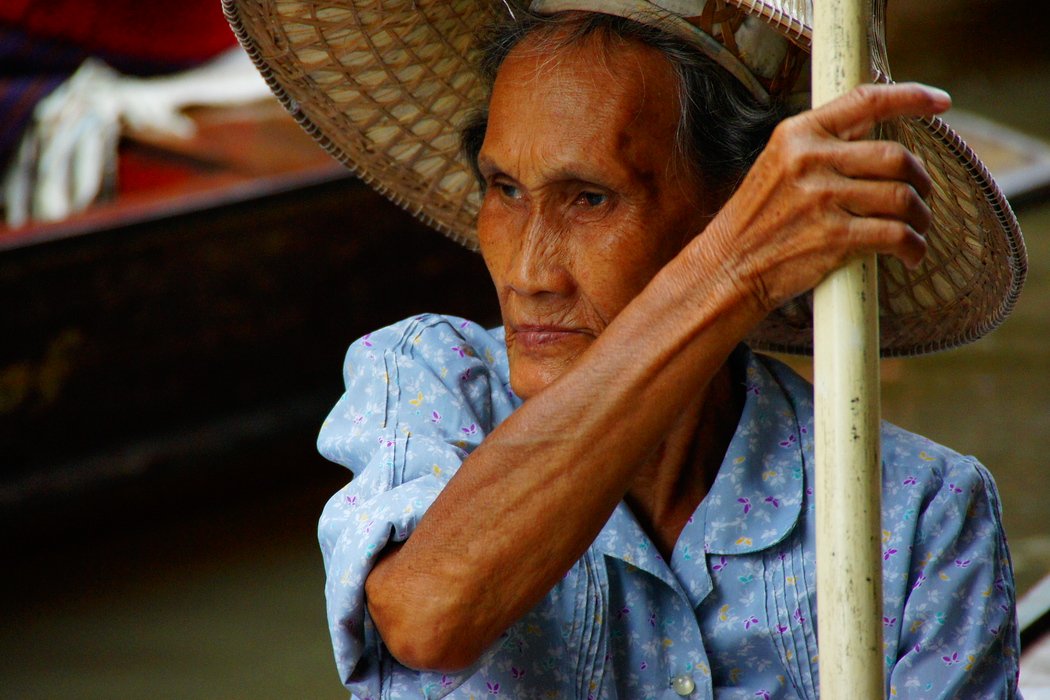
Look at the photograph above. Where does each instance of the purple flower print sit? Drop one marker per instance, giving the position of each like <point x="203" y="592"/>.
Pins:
<point x="471" y="429"/>
<point x="747" y="504"/>
<point x="493" y="688"/>
<point x="365" y="341"/>
<point x="464" y="324"/>
<point x="799" y="618"/>
<point x="644" y="666"/>
<point x="910" y="481"/>
<point x="351" y="501"/>
<point x="622" y="612"/>
<point x="963" y="563"/>
<point x="722" y="564"/>
<point x="462" y="352"/>
<point x="446" y="682"/>
<point x="954" y="489"/>
<point x="951" y="660"/>
<point x="465" y="376"/>
<point x="919" y="581"/>
<point x="789" y="441"/>
<point x="435" y="417"/>
<point x="517" y="673"/>
<point x="359" y="419"/>
<point x="772" y="501"/>
<point x="750" y="622"/>
<point x="652" y="619"/>
<point x="888" y="553"/>
<point x="753" y="389"/>
<point x="889" y="621"/>
<point x="764" y="694"/>
<point x="781" y="629"/>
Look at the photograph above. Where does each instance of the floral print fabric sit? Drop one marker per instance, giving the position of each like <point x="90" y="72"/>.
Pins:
<point x="731" y="615"/>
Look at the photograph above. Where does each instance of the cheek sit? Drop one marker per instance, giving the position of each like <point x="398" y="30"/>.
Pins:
<point x="617" y="266"/>
<point x="492" y="220"/>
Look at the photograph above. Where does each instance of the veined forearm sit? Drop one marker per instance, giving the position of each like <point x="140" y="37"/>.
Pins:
<point x="529" y="501"/>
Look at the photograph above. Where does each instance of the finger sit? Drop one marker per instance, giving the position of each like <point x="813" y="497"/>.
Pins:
<point x="853" y="115"/>
<point x="887" y="200"/>
<point x="888" y="237"/>
<point x="880" y="160"/>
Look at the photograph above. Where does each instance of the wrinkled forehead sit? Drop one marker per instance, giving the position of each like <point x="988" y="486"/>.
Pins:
<point x="602" y="111"/>
<point x="616" y="78"/>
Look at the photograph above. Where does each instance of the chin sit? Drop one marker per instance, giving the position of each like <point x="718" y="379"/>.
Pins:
<point x="533" y="369"/>
<point x="526" y="388"/>
<point x="528" y="380"/>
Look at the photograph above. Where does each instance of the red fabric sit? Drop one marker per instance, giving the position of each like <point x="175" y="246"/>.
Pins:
<point x="169" y="31"/>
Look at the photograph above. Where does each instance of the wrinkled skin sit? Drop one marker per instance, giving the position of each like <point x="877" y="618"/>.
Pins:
<point x="622" y="298"/>
<point x="585" y="201"/>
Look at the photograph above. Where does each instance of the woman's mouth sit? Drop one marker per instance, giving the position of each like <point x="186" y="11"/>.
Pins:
<point x="540" y="337"/>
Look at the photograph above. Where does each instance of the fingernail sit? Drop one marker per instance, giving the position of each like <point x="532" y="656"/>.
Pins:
<point x="941" y="95"/>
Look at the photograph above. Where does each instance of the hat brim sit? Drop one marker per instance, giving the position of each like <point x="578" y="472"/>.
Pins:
<point x="385" y="86"/>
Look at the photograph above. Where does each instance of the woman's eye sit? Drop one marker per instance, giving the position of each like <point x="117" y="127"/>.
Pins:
<point x="592" y="199"/>
<point x="508" y="191"/>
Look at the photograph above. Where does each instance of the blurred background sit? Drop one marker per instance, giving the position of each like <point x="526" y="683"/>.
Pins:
<point x="173" y="326"/>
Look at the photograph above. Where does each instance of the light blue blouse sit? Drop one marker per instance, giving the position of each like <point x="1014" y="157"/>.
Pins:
<point x="732" y="615"/>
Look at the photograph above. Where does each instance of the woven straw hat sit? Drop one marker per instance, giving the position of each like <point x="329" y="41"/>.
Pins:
<point x="384" y="85"/>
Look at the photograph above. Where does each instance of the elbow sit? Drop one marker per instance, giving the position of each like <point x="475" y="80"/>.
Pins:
<point x="420" y="631"/>
<point x="424" y="651"/>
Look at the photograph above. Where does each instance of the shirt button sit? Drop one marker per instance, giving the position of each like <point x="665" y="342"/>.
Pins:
<point x="683" y="685"/>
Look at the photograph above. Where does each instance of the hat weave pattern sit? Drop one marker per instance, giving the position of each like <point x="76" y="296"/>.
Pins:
<point x="385" y="85"/>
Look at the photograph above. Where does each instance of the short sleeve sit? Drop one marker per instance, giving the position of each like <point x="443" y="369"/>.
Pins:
<point x="420" y="396"/>
<point x="958" y="635"/>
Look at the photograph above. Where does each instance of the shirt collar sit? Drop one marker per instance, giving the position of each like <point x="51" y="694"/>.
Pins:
<point x="756" y="498"/>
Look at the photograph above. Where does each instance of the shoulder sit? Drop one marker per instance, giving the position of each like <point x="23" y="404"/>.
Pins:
<point x="433" y="337"/>
<point x="429" y="376"/>
<point x="429" y="345"/>
<point x="912" y="464"/>
<point x="911" y="461"/>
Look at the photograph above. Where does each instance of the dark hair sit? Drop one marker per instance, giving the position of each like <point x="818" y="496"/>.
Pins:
<point x="722" y="127"/>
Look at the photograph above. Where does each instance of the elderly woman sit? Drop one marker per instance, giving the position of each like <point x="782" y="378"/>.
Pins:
<point x="611" y="495"/>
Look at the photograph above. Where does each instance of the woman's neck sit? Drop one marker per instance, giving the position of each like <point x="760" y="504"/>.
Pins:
<point x="670" y="485"/>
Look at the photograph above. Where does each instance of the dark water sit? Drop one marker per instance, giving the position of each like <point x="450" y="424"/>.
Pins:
<point x="228" y="604"/>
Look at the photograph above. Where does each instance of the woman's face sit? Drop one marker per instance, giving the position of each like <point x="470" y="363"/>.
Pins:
<point x="586" y="198"/>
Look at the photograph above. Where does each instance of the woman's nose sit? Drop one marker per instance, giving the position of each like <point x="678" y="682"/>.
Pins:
<point x="541" y="262"/>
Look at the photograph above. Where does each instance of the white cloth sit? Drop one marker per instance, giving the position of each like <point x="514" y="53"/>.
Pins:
<point x="69" y="149"/>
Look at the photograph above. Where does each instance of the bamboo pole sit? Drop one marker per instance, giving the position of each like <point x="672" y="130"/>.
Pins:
<point x="846" y="369"/>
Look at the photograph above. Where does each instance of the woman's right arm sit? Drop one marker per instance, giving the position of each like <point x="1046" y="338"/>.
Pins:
<point x="532" y="497"/>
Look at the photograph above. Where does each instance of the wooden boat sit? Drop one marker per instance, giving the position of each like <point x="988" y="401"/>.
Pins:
<point x="204" y="310"/>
